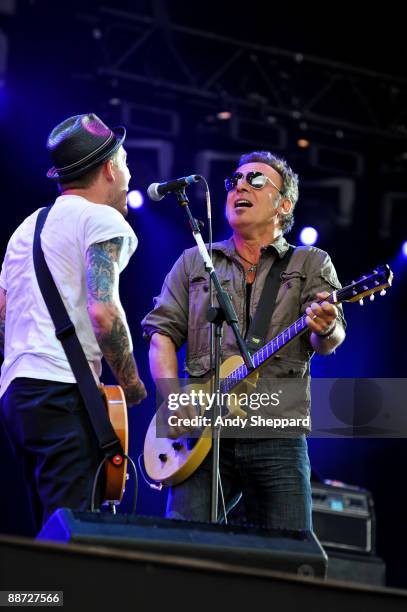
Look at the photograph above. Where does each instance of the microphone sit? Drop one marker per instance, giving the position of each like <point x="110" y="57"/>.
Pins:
<point x="157" y="191"/>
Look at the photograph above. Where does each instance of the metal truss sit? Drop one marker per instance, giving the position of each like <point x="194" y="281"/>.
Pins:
<point x="150" y="50"/>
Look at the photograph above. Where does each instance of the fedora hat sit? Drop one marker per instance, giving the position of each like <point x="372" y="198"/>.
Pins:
<point x="80" y="143"/>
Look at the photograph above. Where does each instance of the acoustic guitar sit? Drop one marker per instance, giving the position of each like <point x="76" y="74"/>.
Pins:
<point x="171" y="461"/>
<point x="116" y="471"/>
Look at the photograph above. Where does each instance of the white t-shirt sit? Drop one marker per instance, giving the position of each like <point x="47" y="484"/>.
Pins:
<point x="31" y="347"/>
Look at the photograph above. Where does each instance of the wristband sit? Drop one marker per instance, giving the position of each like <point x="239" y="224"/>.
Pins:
<point x="328" y="333"/>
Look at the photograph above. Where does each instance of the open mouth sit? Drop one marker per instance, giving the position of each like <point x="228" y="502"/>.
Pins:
<point x="243" y="204"/>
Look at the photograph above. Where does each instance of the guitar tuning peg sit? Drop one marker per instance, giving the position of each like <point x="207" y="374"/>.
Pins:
<point x="383" y="292"/>
<point x="361" y="301"/>
<point x="372" y="297"/>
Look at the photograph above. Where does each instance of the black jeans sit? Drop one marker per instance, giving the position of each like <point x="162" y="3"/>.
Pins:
<point x="51" y="433"/>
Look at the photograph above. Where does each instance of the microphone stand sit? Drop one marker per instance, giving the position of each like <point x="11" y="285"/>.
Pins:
<point x="216" y="316"/>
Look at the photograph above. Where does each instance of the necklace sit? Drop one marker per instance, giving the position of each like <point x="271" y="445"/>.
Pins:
<point x="253" y="266"/>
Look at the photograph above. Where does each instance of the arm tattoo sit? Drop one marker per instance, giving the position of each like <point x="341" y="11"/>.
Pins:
<point x="112" y="336"/>
<point x="102" y="273"/>
<point x="116" y="350"/>
<point x="2" y="319"/>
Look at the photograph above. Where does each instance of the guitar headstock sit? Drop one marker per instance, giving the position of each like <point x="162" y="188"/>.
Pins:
<point x="378" y="280"/>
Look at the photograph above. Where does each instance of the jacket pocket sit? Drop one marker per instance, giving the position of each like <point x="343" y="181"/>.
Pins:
<point x="288" y="277"/>
<point x="199" y="300"/>
<point x="289" y="295"/>
<point x="198" y="304"/>
<point x="287" y="367"/>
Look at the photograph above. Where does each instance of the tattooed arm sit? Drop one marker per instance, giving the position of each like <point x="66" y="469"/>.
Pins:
<point x="102" y="272"/>
<point x="2" y="318"/>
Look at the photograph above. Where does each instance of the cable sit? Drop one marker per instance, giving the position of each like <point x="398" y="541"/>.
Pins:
<point x="95" y="482"/>
<point x="152" y="485"/>
<point x="225" y="516"/>
<point x="135" y="496"/>
<point x="209" y="217"/>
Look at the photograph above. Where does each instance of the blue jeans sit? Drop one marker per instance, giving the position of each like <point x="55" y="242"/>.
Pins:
<point x="273" y="476"/>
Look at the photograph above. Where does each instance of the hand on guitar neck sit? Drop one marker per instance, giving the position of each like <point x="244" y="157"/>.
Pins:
<point x="321" y="319"/>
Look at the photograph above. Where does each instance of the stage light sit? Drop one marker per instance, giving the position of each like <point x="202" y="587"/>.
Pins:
<point x="224" y="115"/>
<point x="308" y="235"/>
<point x="135" y="199"/>
<point x="404" y="248"/>
<point x="303" y="143"/>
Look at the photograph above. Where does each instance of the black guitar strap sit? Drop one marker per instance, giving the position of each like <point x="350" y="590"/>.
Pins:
<point x="66" y="334"/>
<point x="256" y="335"/>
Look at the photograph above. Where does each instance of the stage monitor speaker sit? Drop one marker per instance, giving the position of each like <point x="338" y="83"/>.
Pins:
<point x="296" y="552"/>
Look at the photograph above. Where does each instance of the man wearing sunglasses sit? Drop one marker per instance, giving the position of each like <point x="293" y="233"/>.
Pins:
<point x="272" y="472"/>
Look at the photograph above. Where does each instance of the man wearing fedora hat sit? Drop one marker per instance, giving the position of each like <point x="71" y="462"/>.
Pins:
<point x="86" y="243"/>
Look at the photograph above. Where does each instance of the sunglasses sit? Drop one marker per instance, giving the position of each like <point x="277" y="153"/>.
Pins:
<point x="257" y="180"/>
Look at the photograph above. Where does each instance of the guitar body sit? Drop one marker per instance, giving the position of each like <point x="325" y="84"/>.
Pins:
<point x="173" y="461"/>
<point x="115" y="403"/>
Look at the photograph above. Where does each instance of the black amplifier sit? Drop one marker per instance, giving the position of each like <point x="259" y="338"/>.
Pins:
<point x="343" y="517"/>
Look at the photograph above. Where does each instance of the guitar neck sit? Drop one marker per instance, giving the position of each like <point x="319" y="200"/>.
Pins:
<point x="264" y="354"/>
